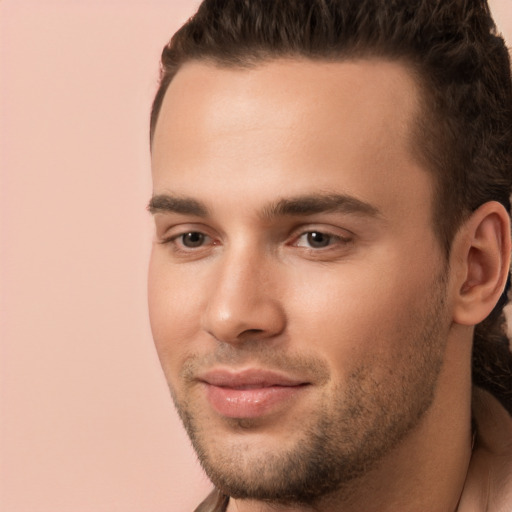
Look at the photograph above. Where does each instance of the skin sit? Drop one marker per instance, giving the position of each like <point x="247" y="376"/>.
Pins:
<point x="368" y="314"/>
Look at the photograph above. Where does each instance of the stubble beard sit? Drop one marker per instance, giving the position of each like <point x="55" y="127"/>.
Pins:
<point x="347" y="437"/>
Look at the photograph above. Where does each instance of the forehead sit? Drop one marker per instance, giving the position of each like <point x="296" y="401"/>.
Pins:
<point x="295" y="123"/>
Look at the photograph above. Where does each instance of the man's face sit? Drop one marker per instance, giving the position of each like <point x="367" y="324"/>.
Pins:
<point x="296" y="286"/>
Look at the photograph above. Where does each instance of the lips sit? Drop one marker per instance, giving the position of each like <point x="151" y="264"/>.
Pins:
<point x="250" y="393"/>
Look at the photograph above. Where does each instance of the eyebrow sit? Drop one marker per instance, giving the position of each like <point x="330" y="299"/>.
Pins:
<point x="320" y="203"/>
<point x="165" y="203"/>
<point x="294" y="206"/>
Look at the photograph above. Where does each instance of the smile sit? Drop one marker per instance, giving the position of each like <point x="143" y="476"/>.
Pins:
<point x="251" y="393"/>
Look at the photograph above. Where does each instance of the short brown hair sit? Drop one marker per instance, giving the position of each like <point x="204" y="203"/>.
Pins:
<point x="464" y="135"/>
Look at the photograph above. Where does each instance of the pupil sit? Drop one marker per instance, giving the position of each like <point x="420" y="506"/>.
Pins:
<point x="193" y="239"/>
<point x="316" y="239"/>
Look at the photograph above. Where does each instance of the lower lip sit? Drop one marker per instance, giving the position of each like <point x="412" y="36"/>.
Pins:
<point x="250" y="403"/>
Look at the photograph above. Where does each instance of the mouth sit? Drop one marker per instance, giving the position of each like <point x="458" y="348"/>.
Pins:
<point x="250" y="393"/>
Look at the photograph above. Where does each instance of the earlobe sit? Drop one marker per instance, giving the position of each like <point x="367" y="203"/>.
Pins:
<point x="482" y="251"/>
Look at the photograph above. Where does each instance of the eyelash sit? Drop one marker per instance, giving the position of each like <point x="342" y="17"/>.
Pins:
<point x="338" y="239"/>
<point x="178" y="246"/>
<point x="334" y="241"/>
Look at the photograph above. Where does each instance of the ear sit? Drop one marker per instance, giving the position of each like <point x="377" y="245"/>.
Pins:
<point x="481" y="253"/>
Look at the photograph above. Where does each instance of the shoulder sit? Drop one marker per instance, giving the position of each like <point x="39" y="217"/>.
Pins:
<point x="489" y="482"/>
<point x="214" y="502"/>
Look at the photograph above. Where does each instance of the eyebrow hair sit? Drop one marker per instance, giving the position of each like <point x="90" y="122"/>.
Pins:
<point x="175" y="204"/>
<point x="299" y="206"/>
<point x="320" y="203"/>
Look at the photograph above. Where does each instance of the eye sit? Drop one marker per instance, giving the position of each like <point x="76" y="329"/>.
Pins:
<point x="188" y="245"/>
<point x="193" y="239"/>
<point x="316" y="240"/>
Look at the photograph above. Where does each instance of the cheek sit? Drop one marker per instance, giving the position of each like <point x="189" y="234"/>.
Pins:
<point x="174" y="311"/>
<point x="355" y="313"/>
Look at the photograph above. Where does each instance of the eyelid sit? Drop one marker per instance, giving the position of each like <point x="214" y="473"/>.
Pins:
<point x="340" y="245"/>
<point x="341" y="238"/>
<point x="168" y="230"/>
<point x="332" y="240"/>
<point x="334" y="232"/>
<point x="171" y="237"/>
<point x="174" y="237"/>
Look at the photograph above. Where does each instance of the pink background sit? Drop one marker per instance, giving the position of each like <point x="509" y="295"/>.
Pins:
<point x="86" y="422"/>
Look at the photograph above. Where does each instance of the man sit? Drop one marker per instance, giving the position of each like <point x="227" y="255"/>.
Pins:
<point x="331" y="200"/>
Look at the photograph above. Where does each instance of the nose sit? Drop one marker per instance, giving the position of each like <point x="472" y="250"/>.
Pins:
<point x="243" y="303"/>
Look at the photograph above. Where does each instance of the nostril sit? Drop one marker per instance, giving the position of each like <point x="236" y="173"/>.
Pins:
<point x="250" y="332"/>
